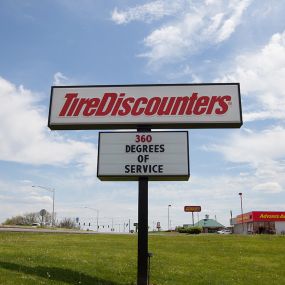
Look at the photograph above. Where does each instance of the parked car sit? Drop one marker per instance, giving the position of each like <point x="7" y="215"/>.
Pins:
<point x="224" y="232"/>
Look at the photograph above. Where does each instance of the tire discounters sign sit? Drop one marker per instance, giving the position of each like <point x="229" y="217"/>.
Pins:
<point x="157" y="106"/>
<point x="156" y="155"/>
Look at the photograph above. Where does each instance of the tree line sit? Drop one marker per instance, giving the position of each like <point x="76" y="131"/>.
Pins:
<point x="35" y="218"/>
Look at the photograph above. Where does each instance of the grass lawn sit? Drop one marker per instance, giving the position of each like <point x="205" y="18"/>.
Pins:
<point x="39" y="258"/>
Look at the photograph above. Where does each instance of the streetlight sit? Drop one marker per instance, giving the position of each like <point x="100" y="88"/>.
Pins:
<point x="52" y="190"/>
<point x="97" y="216"/>
<point x="168" y="215"/>
<point x="240" y="194"/>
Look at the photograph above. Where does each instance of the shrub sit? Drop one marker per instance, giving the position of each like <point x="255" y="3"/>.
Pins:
<point x="67" y="223"/>
<point x="195" y="230"/>
<point x="190" y="230"/>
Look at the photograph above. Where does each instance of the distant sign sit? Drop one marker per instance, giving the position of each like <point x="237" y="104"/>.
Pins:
<point x="43" y="212"/>
<point x="130" y="155"/>
<point x="158" y="225"/>
<point x="192" y="208"/>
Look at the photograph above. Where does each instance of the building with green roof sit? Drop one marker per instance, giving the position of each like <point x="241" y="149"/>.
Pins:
<point x="208" y="225"/>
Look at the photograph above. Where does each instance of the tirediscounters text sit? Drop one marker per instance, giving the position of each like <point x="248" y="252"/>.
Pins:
<point x="165" y="106"/>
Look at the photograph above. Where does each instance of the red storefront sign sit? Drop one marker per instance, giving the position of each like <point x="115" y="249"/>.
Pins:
<point x="261" y="216"/>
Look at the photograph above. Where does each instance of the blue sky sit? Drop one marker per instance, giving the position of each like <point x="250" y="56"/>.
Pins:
<point x="46" y="43"/>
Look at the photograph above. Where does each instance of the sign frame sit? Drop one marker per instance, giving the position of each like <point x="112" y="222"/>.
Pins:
<point x="152" y="124"/>
<point x="150" y="177"/>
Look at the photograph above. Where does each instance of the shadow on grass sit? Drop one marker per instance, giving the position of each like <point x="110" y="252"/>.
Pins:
<point x="57" y="274"/>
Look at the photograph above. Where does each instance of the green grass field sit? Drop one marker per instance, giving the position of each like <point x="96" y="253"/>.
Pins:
<point x="38" y="258"/>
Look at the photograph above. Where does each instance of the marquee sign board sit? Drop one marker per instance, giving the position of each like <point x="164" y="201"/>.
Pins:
<point x="127" y="156"/>
<point x="164" y="106"/>
<point x="192" y="208"/>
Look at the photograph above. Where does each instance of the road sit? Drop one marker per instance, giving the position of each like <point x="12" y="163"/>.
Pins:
<point x="54" y="231"/>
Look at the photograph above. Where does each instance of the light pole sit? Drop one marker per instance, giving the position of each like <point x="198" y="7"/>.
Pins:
<point x="52" y="190"/>
<point x="97" y="216"/>
<point x="168" y="215"/>
<point x="240" y="194"/>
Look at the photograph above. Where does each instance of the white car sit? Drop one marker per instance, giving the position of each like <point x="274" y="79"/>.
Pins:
<point x="224" y="232"/>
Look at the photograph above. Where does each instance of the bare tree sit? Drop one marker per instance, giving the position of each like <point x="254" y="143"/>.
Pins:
<point x="29" y="218"/>
<point x="67" y="223"/>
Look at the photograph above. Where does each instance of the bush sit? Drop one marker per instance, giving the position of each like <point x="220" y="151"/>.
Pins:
<point x="67" y="223"/>
<point x="195" y="230"/>
<point x="190" y="230"/>
<point x="181" y="230"/>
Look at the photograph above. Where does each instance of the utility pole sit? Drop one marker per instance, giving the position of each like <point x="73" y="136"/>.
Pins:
<point x="168" y="216"/>
<point x="52" y="190"/>
<point x="241" y="208"/>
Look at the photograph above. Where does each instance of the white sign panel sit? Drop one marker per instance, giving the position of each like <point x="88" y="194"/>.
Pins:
<point x="156" y="155"/>
<point x="157" y="106"/>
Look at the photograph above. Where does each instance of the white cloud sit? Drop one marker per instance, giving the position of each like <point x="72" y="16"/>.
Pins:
<point x="60" y="79"/>
<point x="226" y="28"/>
<point x="268" y="187"/>
<point x="147" y="12"/>
<point x="18" y="199"/>
<point x="25" y="138"/>
<point x="261" y="74"/>
<point x="254" y="147"/>
<point x="263" y="152"/>
<point x="184" y="71"/>
<point x="200" y="25"/>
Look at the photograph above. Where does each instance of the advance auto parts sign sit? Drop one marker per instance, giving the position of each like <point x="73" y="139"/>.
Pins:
<point x="130" y="155"/>
<point x="157" y="106"/>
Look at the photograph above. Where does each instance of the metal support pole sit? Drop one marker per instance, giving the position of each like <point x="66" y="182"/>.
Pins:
<point x="168" y="217"/>
<point x="142" y="276"/>
<point x="169" y="226"/>
<point x="242" y="214"/>
<point x="97" y="220"/>
<point x="52" y="221"/>
<point x="193" y="219"/>
<point x="53" y="198"/>
<point x="143" y="232"/>
<point x="241" y="208"/>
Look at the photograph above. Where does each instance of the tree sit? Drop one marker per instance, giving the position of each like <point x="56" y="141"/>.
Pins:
<point x="67" y="223"/>
<point x="17" y="220"/>
<point x="31" y="218"/>
<point x="28" y="219"/>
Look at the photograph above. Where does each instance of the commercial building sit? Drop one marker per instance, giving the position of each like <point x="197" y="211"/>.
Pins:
<point x="260" y="222"/>
<point x="208" y="225"/>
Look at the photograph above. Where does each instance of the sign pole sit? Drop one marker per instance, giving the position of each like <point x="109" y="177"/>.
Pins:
<point x="142" y="276"/>
<point x="143" y="232"/>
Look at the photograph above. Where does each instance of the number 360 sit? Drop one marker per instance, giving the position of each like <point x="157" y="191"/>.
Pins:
<point x="143" y="138"/>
